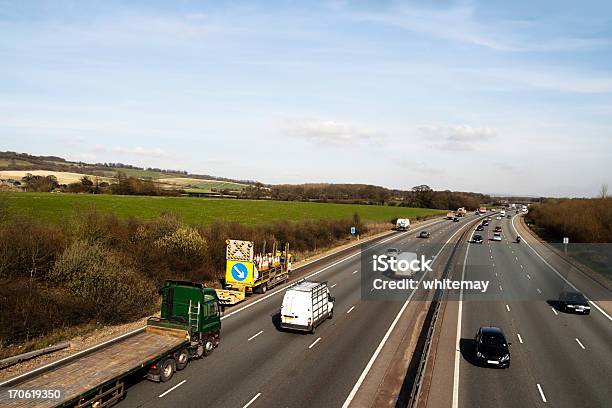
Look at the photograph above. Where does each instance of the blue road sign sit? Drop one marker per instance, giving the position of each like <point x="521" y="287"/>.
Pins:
<point x="239" y="271"/>
<point x="353" y="230"/>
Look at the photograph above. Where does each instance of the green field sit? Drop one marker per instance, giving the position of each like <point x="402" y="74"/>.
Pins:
<point x="55" y="207"/>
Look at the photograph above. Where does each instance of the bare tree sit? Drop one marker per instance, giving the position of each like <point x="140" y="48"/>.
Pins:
<point x="603" y="193"/>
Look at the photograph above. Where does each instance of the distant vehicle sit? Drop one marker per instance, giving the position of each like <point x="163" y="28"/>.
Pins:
<point x="450" y="215"/>
<point x="498" y="217"/>
<point x="477" y="239"/>
<point x="485" y="223"/>
<point x="492" y="347"/>
<point x="524" y="208"/>
<point x="482" y="210"/>
<point x="306" y="305"/>
<point x="498" y="229"/>
<point x="502" y="213"/>
<point x="518" y="239"/>
<point x="461" y="212"/>
<point x="455" y="219"/>
<point x="480" y="228"/>
<point x="392" y="252"/>
<point x="402" y="224"/>
<point x="508" y="216"/>
<point x="574" y="302"/>
<point x="497" y="236"/>
<point x="424" y="234"/>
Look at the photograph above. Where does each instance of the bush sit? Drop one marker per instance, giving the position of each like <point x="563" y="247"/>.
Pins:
<point x="98" y="275"/>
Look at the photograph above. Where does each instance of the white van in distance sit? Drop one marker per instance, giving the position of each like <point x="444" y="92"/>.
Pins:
<point x="306" y="305"/>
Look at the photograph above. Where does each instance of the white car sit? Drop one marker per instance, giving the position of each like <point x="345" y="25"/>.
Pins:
<point x="497" y="236"/>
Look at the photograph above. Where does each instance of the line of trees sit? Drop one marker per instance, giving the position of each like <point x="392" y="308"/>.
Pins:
<point x="587" y="220"/>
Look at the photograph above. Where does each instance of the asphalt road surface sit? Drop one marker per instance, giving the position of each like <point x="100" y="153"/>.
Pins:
<point x="258" y="365"/>
<point x="557" y="359"/>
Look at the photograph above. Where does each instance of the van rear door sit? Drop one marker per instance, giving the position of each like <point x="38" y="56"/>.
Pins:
<point x="296" y="308"/>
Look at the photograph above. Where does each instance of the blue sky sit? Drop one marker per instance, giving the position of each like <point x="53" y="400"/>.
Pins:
<point x="491" y="96"/>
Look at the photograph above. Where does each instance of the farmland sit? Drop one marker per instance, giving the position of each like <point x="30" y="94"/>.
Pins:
<point x="56" y="207"/>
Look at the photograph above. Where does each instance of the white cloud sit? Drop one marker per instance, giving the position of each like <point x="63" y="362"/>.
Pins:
<point x="154" y="152"/>
<point x="461" y="137"/>
<point x="331" y="132"/>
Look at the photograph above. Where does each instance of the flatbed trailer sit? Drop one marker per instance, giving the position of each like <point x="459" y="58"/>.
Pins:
<point x="99" y="376"/>
<point x="189" y="327"/>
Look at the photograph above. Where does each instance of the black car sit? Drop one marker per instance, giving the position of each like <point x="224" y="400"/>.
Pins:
<point x="480" y="228"/>
<point x="456" y="219"/>
<point x="574" y="302"/>
<point x="492" y="347"/>
<point x="485" y="223"/>
<point x="424" y="234"/>
<point x="477" y="239"/>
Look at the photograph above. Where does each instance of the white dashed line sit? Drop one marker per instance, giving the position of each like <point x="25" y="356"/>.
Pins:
<point x="554" y="311"/>
<point x="172" y="389"/>
<point x="333" y="285"/>
<point x="354" y="272"/>
<point x="519" y="337"/>
<point x="580" y="344"/>
<point x="315" y="342"/>
<point x="541" y="393"/>
<point x="528" y="276"/>
<point x="255" y="335"/>
<point x="350" y="310"/>
<point x="252" y="400"/>
<point x="507" y="308"/>
<point x="500" y="288"/>
<point x="539" y="291"/>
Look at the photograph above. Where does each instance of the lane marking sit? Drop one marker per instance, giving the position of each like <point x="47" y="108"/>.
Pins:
<point x="350" y="310"/>
<point x="368" y="366"/>
<point x="252" y="400"/>
<point x="333" y="285"/>
<point x="255" y="335"/>
<point x="519" y="337"/>
<point x="528" y="276"/>
<point x="171" y="389"/>
<point x="554" y="311"/>
<point x="539" y="291"/>
<point x="580" y="344"/>
<point x="541" y="393"/>
<point x="354" y="272"/>
<point x="315" y="342"/>
<point x="507" y="308"/>
<point x="500" y="288"/>
<point x="522" y="266"/>
<point x="561" y="276"/>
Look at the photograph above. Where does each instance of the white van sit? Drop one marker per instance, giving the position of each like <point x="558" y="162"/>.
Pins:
<point x="306" y="305"/>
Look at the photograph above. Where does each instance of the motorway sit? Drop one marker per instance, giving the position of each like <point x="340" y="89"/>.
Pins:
<point x="259" y="365"/>
<point x="557" y="359"/>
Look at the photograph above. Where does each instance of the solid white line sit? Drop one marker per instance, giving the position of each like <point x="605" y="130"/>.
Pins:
<point x="368" y="366"/>
<point x="350" y="310"/>
<point x="333" y="285"/>
<point x="255" y="335"/>
<point x="541" y="393"/>
<point x="561" y="276"/>
<point x="315" y="342"/>
<point x="252" y="400"/>
<point x="554" y="311"/>
<point x="507" y="308"/>
<point x="519" y="337"/>
<point x="172" y="389"/>
<point x="580" y="344"/>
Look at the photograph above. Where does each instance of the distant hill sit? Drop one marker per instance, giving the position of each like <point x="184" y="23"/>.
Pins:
<point x="15" y="165"/>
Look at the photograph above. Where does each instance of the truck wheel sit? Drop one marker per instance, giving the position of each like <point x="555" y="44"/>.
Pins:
<point x="209" y="346"/>
<point x="331" y="314"/>
<point x="182" y="358"/>
<point x="313" y="330"/>
<point x="167" y="369"/>
<point x="264" y="287"/>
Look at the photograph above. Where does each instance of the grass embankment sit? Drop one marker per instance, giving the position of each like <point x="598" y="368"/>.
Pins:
<point x="586" y="222"/>
<point x="56" y="207"/>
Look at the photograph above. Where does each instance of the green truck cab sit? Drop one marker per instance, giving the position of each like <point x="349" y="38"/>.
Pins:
<point x="192" y="311"/>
